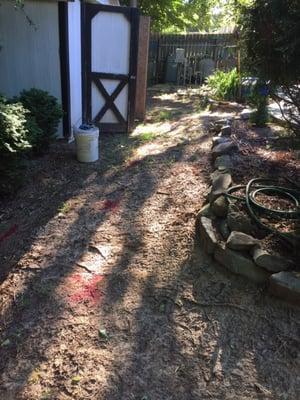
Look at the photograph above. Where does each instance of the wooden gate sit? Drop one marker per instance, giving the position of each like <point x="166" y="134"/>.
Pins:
<point x="109" y="65"/>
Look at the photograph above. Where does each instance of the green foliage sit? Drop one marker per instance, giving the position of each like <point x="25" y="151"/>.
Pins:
<point x="45" y="114"/>
<point x="224" y="85"/>
<point x="270" y="32"/>
<point x="176" y="15"/>
<point x="13" y="144"/>
<point x="258" y="99"/>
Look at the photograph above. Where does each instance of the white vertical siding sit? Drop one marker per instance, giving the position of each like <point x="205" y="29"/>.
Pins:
<point x="75" y="61"/>
<point x="110" y="54"/>
<point x="29" y="55"/>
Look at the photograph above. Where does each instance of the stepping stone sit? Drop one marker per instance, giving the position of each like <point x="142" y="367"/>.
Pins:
<point x="240" y="264"/>
<point x="207" y="235"/>
<point x="240" y="241"/>
<point x="226" y="130"/>
<point x="238" y="221"/>
<point x="218" y="140"/>
<point x="246" y="114"/>
<point x="223" y="162"/>
<point x="270" y="262"/>
<point x="286" y="285"/>
<point x="223" y="148"/>
<point x="206" y="212"/>
<point x="220" y="206"/>
<point x="220" y="184"/>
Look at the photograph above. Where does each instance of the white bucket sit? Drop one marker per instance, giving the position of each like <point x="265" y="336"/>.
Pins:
<point x="87" y="146"/>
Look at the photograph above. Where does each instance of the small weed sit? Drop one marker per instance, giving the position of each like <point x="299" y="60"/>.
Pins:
<point x="147" y="136"/>
<point x="22" y="300"/>
<point x="47" y="395"/>
<point x="171" y="160"/>
<point x="76" y="379"/>
<point x="5" y="343"/>
<point x="103" y="334"/>
<point x="34" y="376"/>
<point x="163" y="116"/>
<point x="44" y="290"/>
<point x="64" y="208"/>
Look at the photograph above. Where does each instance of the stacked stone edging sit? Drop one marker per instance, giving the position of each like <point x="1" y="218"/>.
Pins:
<point x="239" y="251"/>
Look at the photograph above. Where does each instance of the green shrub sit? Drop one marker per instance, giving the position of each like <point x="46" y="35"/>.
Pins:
<point x="46" y="112"/>
<point x="270" y="32"/>
<point x="258" y="99"/>
<point x="224" y="85"/>
<point x="13" y="144"/>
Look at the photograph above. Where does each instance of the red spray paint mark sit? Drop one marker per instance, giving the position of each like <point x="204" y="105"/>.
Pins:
<point x="8" y="233"/>
<point x="89" y="290"/>
<point x="107" y="205"/>
<point x="133" y="163"/>
<point x="111" y="204"/>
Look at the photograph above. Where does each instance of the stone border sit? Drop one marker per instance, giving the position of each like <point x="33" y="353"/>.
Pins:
<point x="239" y="251"/>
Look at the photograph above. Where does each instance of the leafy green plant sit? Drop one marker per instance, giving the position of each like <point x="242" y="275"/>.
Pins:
<point x="224" y="85"/>
<point x="13" y="144"/>
<point x="146" y="136"/>
<point x="45" y="114"/>
<point x="164" y="115"/>
<point x="259" y="100"/>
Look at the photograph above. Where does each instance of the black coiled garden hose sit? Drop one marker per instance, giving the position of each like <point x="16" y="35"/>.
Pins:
<point x="258" y="186"/>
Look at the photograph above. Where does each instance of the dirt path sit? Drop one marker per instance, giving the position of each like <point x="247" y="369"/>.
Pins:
<point x="105" y="294"/>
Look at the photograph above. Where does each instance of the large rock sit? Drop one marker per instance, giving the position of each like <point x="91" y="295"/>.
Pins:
<point x="286" y="285"/>
<point x="220" y="184"/>
<point x="246" y="114"/>
<point x="206" y="212"/>
<point x="224" y="229"/>
<point x="218" y="140"/>
<point x="215" y="175"/>
<point x="226" y="130"/>
<point x="240" y="241"/>
<point x="223" y="148"/>
<point x="220" y="122"/>
<point x="220" y="206"/>
<point x="270" y="262"/>
<point x="223" y="162"/>
<point x="240" y="264"/>
<point x="207" y="234"/>
<point x="239" y="221"/>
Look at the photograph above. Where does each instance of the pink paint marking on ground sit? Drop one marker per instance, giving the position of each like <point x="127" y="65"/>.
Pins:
<point x="88" y="290"/>
<point x="133" y="163"/>
<point x="111" y="204"/>
<point x="8" y="233"/>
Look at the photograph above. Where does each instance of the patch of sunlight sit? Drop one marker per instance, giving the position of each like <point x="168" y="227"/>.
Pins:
<point x="217" y="114"/>
<point x="150" y="149"/>
<point x="166" y="96"/>
<point x="156" y="129"/>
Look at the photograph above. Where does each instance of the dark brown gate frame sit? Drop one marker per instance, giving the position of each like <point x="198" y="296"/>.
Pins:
<point x="88" y="11"/>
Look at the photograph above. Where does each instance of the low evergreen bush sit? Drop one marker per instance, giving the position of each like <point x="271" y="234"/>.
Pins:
<point x="44" y="117"/>
<point x="13" y="144"/>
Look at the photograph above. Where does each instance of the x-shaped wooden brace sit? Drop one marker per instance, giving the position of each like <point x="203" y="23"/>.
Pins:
<point x="109" y="100"/>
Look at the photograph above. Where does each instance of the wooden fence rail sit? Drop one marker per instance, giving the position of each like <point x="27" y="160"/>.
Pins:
<point x="217" y="50"/>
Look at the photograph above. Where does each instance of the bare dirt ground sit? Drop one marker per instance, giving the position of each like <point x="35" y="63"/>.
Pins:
<point x="105" y="293"/>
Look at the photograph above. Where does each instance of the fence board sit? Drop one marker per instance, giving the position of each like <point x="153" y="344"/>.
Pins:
<point x="221" y="48"/>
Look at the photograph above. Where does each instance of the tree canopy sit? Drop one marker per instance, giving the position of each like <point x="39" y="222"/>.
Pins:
<point x="270" y="35"/>
<point x="177" y="15"/>
<point x="190" y="15"/>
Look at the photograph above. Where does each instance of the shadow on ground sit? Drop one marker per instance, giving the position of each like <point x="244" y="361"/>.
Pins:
<point x="164" y="322"/>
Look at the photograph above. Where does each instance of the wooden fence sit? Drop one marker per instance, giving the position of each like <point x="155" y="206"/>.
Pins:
<point x="216" y="51"/>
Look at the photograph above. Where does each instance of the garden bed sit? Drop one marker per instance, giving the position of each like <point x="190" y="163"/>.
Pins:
<point x="253" y="228"/>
